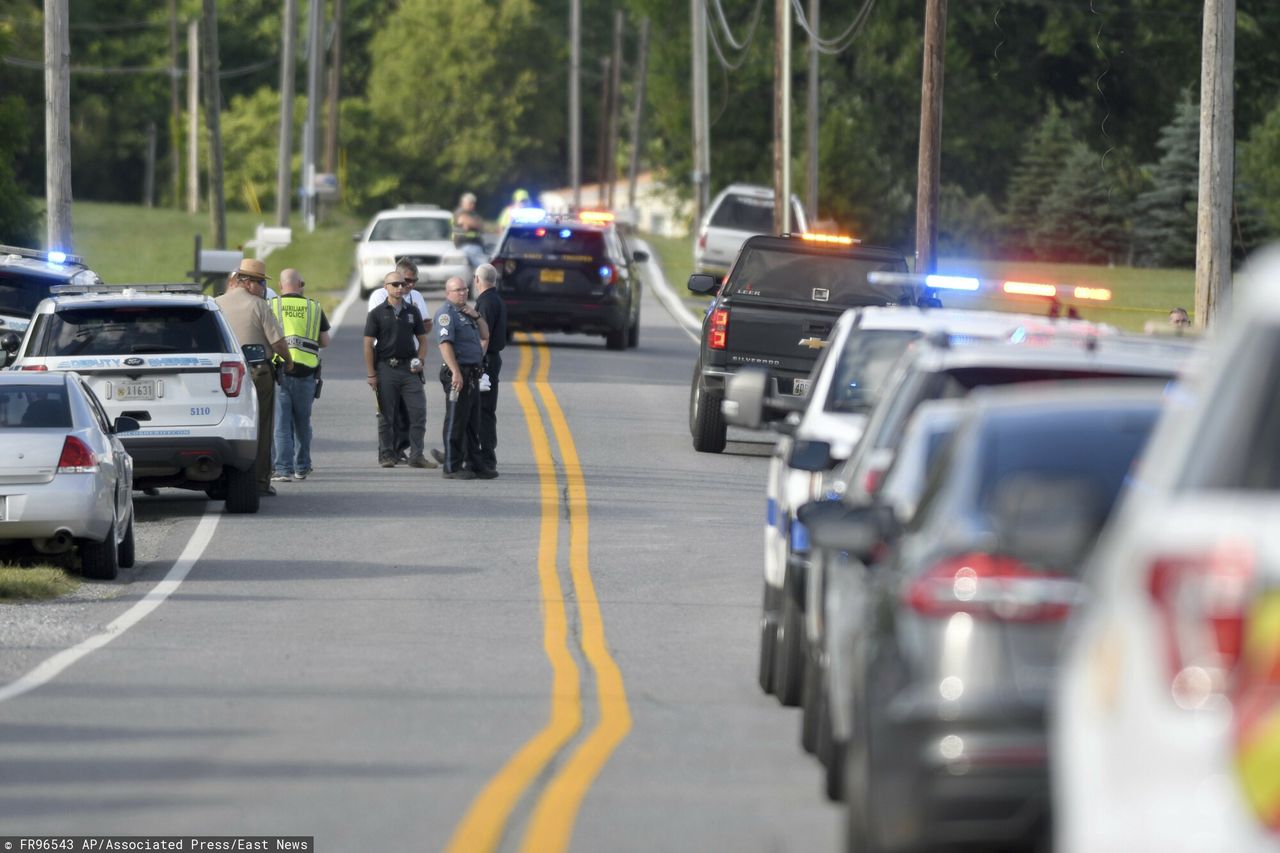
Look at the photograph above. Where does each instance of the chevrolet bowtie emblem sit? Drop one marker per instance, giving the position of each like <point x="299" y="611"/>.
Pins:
<point x="813" y="343"/>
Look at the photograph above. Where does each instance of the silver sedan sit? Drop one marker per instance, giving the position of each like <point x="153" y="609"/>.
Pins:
<point x="66" y="481"/>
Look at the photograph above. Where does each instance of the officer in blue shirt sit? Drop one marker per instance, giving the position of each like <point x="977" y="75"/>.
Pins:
<point x="463" y="335"/>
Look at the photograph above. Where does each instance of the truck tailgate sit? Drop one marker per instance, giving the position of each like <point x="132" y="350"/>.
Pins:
<point x="781" y="336"/>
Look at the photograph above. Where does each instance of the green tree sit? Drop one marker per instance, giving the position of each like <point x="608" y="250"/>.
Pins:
<point x="1259" y="168"/>
<point x="1034" y="178"/>
<point x="1083" y="217"/>
<point x="1165" y="215"/>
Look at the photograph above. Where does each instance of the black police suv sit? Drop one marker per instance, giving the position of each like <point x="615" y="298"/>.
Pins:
<point x="570" y="274"/>
<point x="25" y="278"/>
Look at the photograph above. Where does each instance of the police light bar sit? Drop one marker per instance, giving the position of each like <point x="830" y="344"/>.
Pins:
<point x="1056" y="291"/>
<point x="1029" y="288"/>
<point x="595" y="216"/>
<point x="829" y="239"/>
<point x="951" y="282"/>
<point x="528" y="214"/>
<point x="933" y="282"/>
<point x="100" y="289"/>
<point x="52" y="257"/>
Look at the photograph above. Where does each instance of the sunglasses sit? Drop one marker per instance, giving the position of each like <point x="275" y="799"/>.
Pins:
<point x="410" y="282"/>
<point x="397" y="284"/>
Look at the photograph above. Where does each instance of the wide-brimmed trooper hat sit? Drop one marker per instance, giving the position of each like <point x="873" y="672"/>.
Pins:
<point x="252" y="268"/>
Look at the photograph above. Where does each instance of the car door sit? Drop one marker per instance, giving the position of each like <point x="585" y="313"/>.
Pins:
<point x="121" y="462"/>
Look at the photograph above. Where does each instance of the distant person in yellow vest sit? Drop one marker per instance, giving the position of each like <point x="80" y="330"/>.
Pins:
<point x="306" y="332"/>
<point x="519" y="199"/>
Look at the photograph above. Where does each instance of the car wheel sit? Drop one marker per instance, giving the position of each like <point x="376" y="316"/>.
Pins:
<point x="768" y="639"/>
<point x="787" y="661"/>
<point x="633" y="333"/>
<point x="242" y="490"/>
<point x="616" y="339"/>
<point x="811" y="700"/>
<point x="125" y="553"/>
<point x="706" y="421"/>
<point x="830" y="752"/>
<point x="100" y="560"/>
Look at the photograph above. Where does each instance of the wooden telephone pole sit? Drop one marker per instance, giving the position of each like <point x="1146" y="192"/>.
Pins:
<point x="57" y="124"/>
<point x="930" y="158"/>
<point x="782" y="117"/>
<point x="284" y="157"/>
<point x="701" y="113"/>
<point x="615" y="107"/>
<point x="1217" y="162"/>
<point x="213" y="118"/>
<point x="637" y="112"/>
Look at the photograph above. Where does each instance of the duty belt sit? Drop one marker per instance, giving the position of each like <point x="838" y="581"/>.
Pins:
<point x="305" y="344"/>
<point x="397" y="362"/>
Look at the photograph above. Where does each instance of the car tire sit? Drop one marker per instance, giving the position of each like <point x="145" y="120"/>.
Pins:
<point x="242" y="490"/>
<point x="126" y="552"/>
<point x="616" y="339"/>
<point x="706" y="421"/>
<point x="787" y="663"/>
<point x="830" y="753"/>
<point x="768" y="639"/>
<point x="811" y="699"/>
<point x="100" y="560"/>
<point x="633" y="333"/>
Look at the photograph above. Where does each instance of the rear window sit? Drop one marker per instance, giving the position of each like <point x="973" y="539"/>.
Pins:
<point x="863" y="366"/>
<point x="34" y="407"/>
<point x="130" y="329"/>
<point x="410" y="228"/>
<point x="20" y="293"/>
<point x="537" y="241"/>
<point x="836" y="279"/>
<point x="961" y="381"/>
<point x="744" y="213"/>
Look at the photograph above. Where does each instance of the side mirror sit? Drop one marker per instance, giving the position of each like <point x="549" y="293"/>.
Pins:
<point x="859" y="530"/>
<point x="9" y="342"/>
<point x="640" y="257"/>
<point x="703" y="284"/>
<point x="744" y="398"/>
<point x="811" y="456"/>
<point x="125" y="424"/>
<point x="357" y="237"/>
<point x="255" y="354"/>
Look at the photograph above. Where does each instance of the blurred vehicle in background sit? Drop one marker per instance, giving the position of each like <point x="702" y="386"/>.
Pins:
<point x="25" y="278"/>
<point x="422" y="233"/>
<point x="738" y="212"/>
<point x="66" y="481"/>
<point x="958" y="619"/>
<point x="1167" y="716"/>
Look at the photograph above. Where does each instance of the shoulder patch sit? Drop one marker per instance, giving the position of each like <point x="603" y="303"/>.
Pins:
<point x="444" y="319"/>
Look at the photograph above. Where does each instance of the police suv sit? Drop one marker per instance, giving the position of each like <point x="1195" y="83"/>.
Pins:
<point x="25" y="278"/>
<point x="165" y="356"/>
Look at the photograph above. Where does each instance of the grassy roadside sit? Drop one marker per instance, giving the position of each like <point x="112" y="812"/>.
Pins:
<point x="34" y="583"/>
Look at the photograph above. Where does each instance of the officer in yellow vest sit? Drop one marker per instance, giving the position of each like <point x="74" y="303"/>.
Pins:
<point x="306" y="332"/>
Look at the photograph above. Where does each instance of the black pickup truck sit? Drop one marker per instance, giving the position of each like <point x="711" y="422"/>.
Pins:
<point x="775" y="309"/>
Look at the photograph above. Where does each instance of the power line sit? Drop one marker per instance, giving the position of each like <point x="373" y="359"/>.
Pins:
<point x="122" y="70"/>
<point x="842" y="42"/>
<point x="743" y="47"/>
<point x="728" y="32"/>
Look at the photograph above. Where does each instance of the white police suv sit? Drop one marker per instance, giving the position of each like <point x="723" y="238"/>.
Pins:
<point x="164" y="356"/>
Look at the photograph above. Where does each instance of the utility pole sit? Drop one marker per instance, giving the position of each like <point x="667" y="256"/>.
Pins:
<point x="175" y="108"/>
<point x="602" y="142"/>
<point x="575" y="101"/>
<point x="335" y="86"/>
<point x="284" y="161"/>
<point x="315" y="23"/>
<point x="57" y="124"/>
<point x="930" y="157"/>
<point x="637" y="113"/>
<point x="213" y="118"/>
<point x="149" y="174"/>
<point x="701" y="116"/>
<point x="1217" y="166"/>
<point x="811" y="117"/>
<point x="193" y="117"/>
<point x="615" y="106"/>
<point x="782" y="117"/>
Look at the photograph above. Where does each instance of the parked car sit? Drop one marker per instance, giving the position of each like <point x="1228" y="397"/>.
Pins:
<point x="25" y="278"/>
<point x="422" y="233"/>
<point x="738" y="212"/>
<point x="164" y="356"/>
<point x="1168" y="706"/>
<point x="960" y="613"/>
<point x="66" y="481"/>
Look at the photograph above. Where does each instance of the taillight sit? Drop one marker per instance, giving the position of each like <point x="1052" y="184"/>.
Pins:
<point x="1200" y="601"/>
<point x="76" y="457"/>
<point x="232" y="377"/>
<point x="608" y="274"/>
<point x="40" y="367"/>
<point x="718" y="334"/>
<point x="702" y="241"/>
<point x="994" y="587"/>
<point x="872" y="480"/>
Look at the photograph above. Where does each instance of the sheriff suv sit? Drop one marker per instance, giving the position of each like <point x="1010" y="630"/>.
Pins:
<point x="164" y="356"/>
<point x="25" y="278"/>
<point x="570" y="274"/>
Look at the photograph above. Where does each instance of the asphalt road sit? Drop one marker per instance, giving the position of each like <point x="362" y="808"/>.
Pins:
<point x="370" y="660"/>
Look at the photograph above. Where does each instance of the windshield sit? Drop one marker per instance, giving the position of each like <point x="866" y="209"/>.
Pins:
<point x="863" y="366"/>
<point x="413" y="228"/>
<point x="130" y="329"/>
<point x="34" y="407"/>
<point x="744" y="213"/>
<point x="585" y="245"/>
<point x="20" y="294"/>
<point x="837" y="279"/>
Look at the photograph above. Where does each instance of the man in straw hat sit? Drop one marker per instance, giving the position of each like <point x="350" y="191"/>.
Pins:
<point x="252" y="322"/>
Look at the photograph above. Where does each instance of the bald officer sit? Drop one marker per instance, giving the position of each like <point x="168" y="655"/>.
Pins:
<point x="462" y="334"/>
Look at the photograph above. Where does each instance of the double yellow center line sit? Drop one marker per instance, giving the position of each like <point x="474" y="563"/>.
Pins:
<point x="550" y="825"/>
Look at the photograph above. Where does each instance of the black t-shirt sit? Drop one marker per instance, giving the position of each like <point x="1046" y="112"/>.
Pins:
<point x="397" y="335"/>
<point x="494" y="311"/>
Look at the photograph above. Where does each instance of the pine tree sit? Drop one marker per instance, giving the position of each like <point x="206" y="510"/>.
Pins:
<point x="1082" y="218"/>
<point x="1165" y="215"/>
<point x="1034" y="177"/>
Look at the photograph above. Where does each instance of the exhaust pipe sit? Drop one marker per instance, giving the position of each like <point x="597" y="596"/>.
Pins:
<point x="59" y="543"/>
<point x="203" y="470"/>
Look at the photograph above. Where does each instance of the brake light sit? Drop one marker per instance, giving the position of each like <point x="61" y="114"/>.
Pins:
<point x="1200" y="602"/>
<point x="702" y="241"/>
<point x="992" y="586"/>
<point x="76" y="457"/>
<point x="872" y="480"/>
<point x="39" y="367"/>
<point x="718" y="334"/>
<point x="232" y="373"/>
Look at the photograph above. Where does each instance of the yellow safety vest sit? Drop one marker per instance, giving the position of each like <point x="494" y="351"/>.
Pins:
<point x="300" y="320"/>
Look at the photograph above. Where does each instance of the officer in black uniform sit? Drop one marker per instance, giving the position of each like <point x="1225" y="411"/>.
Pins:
<point x="395" y="345"/>
<point x="483" y="437"/>
<point x="462" y="334"/>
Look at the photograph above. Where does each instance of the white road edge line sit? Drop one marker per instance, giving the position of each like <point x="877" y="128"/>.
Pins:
<point x="54" y="666"/>
<point x="657" y="279"/>
<point x="353" y="294"/>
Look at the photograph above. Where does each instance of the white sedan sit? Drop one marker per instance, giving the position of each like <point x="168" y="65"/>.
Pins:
<point x="66" y="481"/>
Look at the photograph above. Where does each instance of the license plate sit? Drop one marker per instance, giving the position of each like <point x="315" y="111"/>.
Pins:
<point x="142" y="390"/>
<point x="547" y="276"/>
<point x="799" y="387"/>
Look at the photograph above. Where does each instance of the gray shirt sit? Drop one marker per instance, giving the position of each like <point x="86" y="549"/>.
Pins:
<point x="454" y="327"/>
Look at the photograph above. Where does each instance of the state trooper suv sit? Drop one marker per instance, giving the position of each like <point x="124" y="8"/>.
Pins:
<point x="165" y="356"/>
<point x="25" y="278"/>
